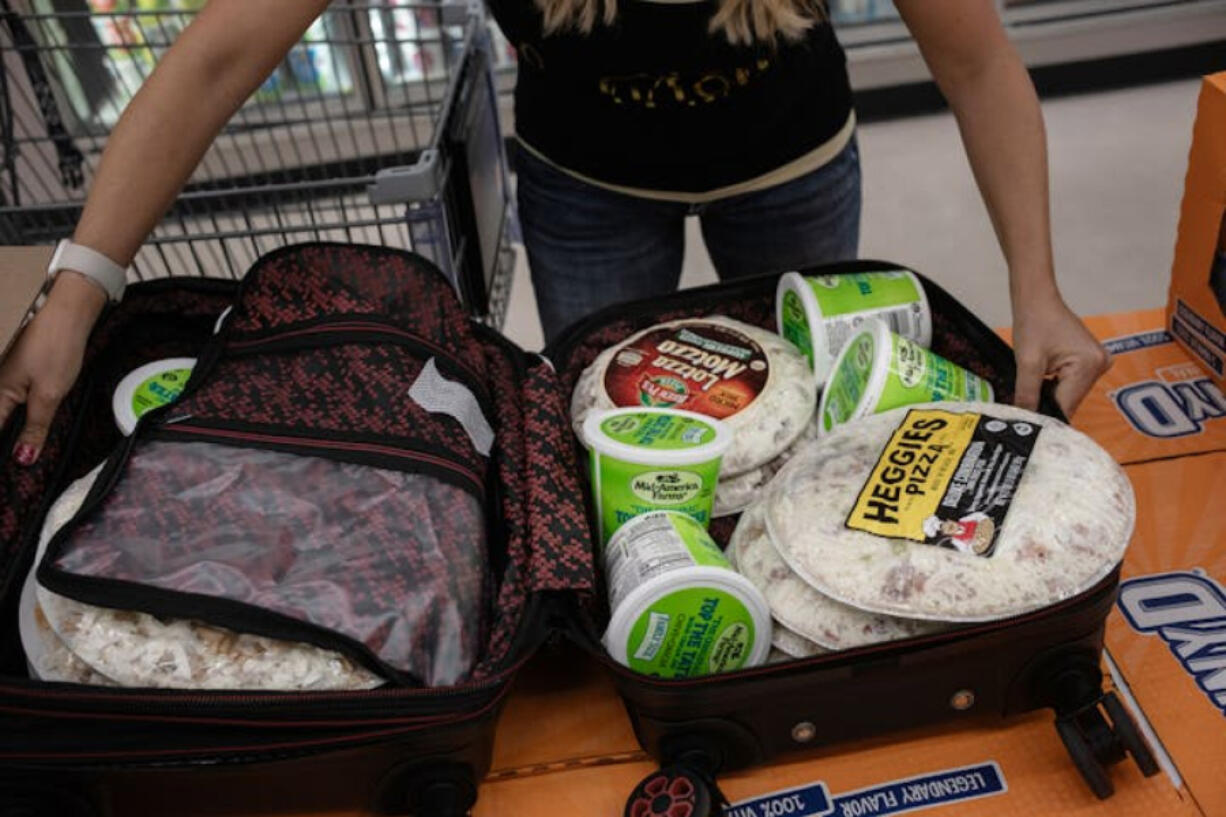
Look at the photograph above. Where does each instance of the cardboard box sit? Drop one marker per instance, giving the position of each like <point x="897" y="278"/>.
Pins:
<point x="1154" y="402"/>
<point x="1168" y="632"/>
<point x="1196" y="309"/>
<point x="22" y="271"/>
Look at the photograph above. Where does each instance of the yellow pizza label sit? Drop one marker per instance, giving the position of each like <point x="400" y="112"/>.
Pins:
<point x="947" y="479"/>
<point x="913" y="474"/>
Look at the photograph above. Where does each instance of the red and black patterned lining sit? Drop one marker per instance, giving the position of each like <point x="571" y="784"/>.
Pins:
<point x="544" y="518"/>
<point x="557" y="517"/>
<point x="334" y="397"/>
<point x="278" y="351"/>
<point x="504" y="366"/>
<point x="297" y="284"/>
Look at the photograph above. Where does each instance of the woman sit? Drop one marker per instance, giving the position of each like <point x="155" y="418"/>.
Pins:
<point x="631" y="115"/>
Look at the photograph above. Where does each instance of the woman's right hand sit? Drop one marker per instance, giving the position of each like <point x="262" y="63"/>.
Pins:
<point x="45" y="361"/>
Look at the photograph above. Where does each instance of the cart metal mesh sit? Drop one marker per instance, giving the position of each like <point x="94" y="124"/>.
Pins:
<point x="380" y="126"/>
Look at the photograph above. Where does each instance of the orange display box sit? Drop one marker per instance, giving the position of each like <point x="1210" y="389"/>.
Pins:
<point x="1155" y="402"/>
<point x="1196" y="311"/>
<point x="1159" y="413"/>
<point x="1168" y="636"/>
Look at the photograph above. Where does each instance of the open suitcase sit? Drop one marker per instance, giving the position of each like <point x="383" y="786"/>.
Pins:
<point x="699" y="727"/>
<point x="69" y="749"/>
<point x="72" y="750"/>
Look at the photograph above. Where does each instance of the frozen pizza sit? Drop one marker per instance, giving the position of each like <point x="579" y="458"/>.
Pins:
<point x="806" y="613"/>
<point x="952" y="512"/>
<point x="735" y="494"/>
<point x="72" y="641"/>
<point x="792" y="644"/>
<point x="752" y="379"/>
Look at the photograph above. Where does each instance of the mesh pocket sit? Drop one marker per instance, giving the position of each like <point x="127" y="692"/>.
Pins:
<point x="386" y="566"/>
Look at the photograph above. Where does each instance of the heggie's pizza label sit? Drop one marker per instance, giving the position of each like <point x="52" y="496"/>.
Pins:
<point x="700" y="367"/>
<point x="946" y="479"/>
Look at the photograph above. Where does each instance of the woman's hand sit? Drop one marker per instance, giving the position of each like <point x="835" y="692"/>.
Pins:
<point x="998" y="113"/>
<point x="45" y="361"/>
<point x="1049" y="340"/>
<point x="216" y="63"/>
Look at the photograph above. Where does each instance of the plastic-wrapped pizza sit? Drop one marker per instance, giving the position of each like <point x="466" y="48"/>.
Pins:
<point x="951" y="512"/>
<point x="753" y="380"/>
<point x="808" y="621"/>
<point x="67" y="640"/>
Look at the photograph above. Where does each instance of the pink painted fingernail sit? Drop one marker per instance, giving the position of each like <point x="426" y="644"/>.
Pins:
<point x="25" y="454"/>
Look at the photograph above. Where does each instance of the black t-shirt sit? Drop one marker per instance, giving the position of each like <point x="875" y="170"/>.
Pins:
<point x="658" y="102"/>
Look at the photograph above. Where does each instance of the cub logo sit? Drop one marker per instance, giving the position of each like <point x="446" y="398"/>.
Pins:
<point x="1187" y="610"/>
<point x="1181" y="403"/>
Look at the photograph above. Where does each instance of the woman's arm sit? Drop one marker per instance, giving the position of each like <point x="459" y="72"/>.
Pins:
<point x="998" y="114"/>
<point x="216" y="63"/>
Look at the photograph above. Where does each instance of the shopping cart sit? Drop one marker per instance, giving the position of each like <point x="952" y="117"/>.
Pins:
<point x="380" y="126"/>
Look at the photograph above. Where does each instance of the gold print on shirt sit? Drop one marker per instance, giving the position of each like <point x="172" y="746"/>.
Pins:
<point x="672" y="90"/>
<point x="528" y="54"/>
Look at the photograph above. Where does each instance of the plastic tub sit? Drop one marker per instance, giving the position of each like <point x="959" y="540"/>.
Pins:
<point x="648" y="459"/>
<point x="819" y="313"/>
<point x="679" y="610"/>
<point x="148" y="387"/>
<point x="877" y="371"/>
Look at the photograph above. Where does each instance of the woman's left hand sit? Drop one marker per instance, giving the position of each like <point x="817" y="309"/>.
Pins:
<point x="1049" y="340"/>
<point x="990" y="93"/>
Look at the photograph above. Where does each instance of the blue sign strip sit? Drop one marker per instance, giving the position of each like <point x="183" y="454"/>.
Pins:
<point x="1196" y="344"/>
<point x="924" y="791"/>
<point x="804" y="801"/>
<point x="1134" y="343"/>
<point x="1206" y="329"/>
<point x="896" y="797"/>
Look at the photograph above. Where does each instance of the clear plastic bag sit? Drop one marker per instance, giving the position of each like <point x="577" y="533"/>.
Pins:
<point x="394" y="562"/>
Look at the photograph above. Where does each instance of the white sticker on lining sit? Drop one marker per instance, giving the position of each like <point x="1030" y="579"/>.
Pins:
<point x="438" y="395"/>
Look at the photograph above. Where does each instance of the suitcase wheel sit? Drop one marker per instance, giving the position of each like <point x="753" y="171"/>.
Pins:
<point x="1129" y="735"/>
<point x="1084" y="757"/>
<point x="1095" y="744"/>
<point x="443" y="798"/>
<point x="431" y="790"/>
<point x="674" y="791"/>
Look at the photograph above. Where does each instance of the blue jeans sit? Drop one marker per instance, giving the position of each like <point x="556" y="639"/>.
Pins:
<point x="589" y="247"/>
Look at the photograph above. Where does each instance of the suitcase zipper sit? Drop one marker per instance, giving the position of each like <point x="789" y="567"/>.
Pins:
<point x="357" y="330"/>
<point x="295" y="444"/>
<point x="371" y="729"/>
<point x="1101" y="593"/>
<point x="222" y="698"/>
